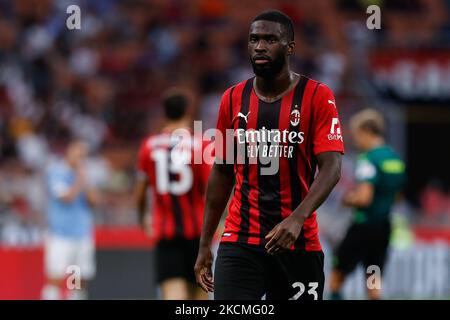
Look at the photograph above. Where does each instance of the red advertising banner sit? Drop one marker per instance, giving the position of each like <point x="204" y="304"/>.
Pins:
<point x="412" y="75"/>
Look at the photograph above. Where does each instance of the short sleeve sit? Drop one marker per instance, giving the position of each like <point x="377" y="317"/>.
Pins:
<point x="327" y="132"/>
<point x="366" y="170"/>
<point x="223" y="123"/>
<point x="202" y="168"/>
<point x="206" y="166"/>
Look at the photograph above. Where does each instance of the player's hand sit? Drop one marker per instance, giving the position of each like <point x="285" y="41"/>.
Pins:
<point x="202" y="269"/>
<point x="81" y="176"/>
<point x="283" y="235"/>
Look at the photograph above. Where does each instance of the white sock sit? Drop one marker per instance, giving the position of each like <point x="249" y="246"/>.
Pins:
<point x="77" y="294"/>
<point x="50" y="292"/>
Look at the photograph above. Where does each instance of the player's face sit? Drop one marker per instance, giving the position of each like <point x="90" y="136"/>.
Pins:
<point x="76" y="153"/>
<point x="268" y="48"/>
<point x="360" y="138"/>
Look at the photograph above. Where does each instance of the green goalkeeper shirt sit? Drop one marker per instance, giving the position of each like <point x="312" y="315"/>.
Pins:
<point x="384" y="169"/>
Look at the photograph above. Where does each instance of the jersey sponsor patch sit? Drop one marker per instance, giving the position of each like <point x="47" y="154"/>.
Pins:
<point x="393" y="166"/>
<point x="335" y="130"/>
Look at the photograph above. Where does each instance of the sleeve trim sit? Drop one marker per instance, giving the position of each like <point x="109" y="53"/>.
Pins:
<point x="330" y="149"/>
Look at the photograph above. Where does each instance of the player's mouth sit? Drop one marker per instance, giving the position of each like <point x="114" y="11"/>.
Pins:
<point x="261" y="60"/>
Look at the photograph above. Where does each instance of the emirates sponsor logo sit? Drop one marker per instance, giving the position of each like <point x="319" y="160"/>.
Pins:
<point x="264" y="135"/>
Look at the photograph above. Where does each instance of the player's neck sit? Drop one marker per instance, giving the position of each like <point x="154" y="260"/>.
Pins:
<point x="175" y="124"/>
<point x="271" y="89"/>
<point x="375" y="143"/>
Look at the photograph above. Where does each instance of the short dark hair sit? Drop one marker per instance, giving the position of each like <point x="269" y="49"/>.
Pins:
<point x="279" y="17"/>
<point x="175" y="103"/>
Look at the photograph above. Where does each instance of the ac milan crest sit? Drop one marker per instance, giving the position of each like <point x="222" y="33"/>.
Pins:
<point x="295" y="117"/>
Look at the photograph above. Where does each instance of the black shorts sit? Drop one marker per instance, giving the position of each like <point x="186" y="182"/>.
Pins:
<point x="247" y="272"/>
<point x="175" y="259"/>
<point x="363" y="243"/>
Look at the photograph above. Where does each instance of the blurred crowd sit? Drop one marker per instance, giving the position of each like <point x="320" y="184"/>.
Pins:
<point x="103" y="83"/>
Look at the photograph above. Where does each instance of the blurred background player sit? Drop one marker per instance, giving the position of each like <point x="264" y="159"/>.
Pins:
<point x="178" y="189"/>
<point x="70" y="221"/>
<point x="380" y="175"/>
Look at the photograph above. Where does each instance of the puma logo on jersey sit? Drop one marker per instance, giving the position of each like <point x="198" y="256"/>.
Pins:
<point x="241" y="115"/>
<point x="332" y="102"/>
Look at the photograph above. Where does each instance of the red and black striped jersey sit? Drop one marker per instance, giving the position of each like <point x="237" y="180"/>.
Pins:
<point x="178" y="184"/>
<point x="273" y="149"/>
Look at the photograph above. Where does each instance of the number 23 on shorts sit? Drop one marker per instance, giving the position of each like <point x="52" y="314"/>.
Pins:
<point x="301" y="289"/>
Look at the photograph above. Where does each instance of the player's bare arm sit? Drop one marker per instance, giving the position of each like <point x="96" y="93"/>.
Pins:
<point x="360" y="197"/>
<point x="220" y="184"/>
<point x="284" y="234"/>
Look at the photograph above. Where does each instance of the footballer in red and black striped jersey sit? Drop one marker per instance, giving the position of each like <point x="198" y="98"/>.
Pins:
<point x="283" y="126"/>
<point x="178" y="184"/>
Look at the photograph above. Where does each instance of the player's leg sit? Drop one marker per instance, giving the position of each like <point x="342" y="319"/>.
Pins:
<point x="374" y="293"/>
<point x="197" y="293"/>
<point x="56" y="259"/>
<point x="84" y="259"/>
<point x="239" y="273"/>
<point x="174" y="289"/>
<point x="52" y="289"/>
<point x="376" y="258"/>
<point x="170" y="271"/>
<point x="349" y="253"/>
<point x="297" y="275"/>
<point x="337" y="278"/>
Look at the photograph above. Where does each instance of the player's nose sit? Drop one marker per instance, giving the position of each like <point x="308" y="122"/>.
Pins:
<point x="260" y="47"/>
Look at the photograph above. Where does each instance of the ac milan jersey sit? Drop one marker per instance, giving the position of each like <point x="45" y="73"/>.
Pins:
<point x="274" y="149"/>
<point x="178" y="185"/>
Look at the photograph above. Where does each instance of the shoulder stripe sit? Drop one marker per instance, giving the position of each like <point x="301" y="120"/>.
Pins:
<point x="296" y="187"/>
<point x="245" y="189"/>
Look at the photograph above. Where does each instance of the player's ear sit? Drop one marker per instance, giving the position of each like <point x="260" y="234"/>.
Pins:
<point x="291" y="46"/>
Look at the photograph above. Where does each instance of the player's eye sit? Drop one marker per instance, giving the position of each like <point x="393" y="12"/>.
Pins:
<point x="272" y="40"/>
<point x="252" y="40"/>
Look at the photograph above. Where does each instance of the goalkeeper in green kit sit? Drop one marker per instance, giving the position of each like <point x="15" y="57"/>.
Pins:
<point x="380" y="176"/>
